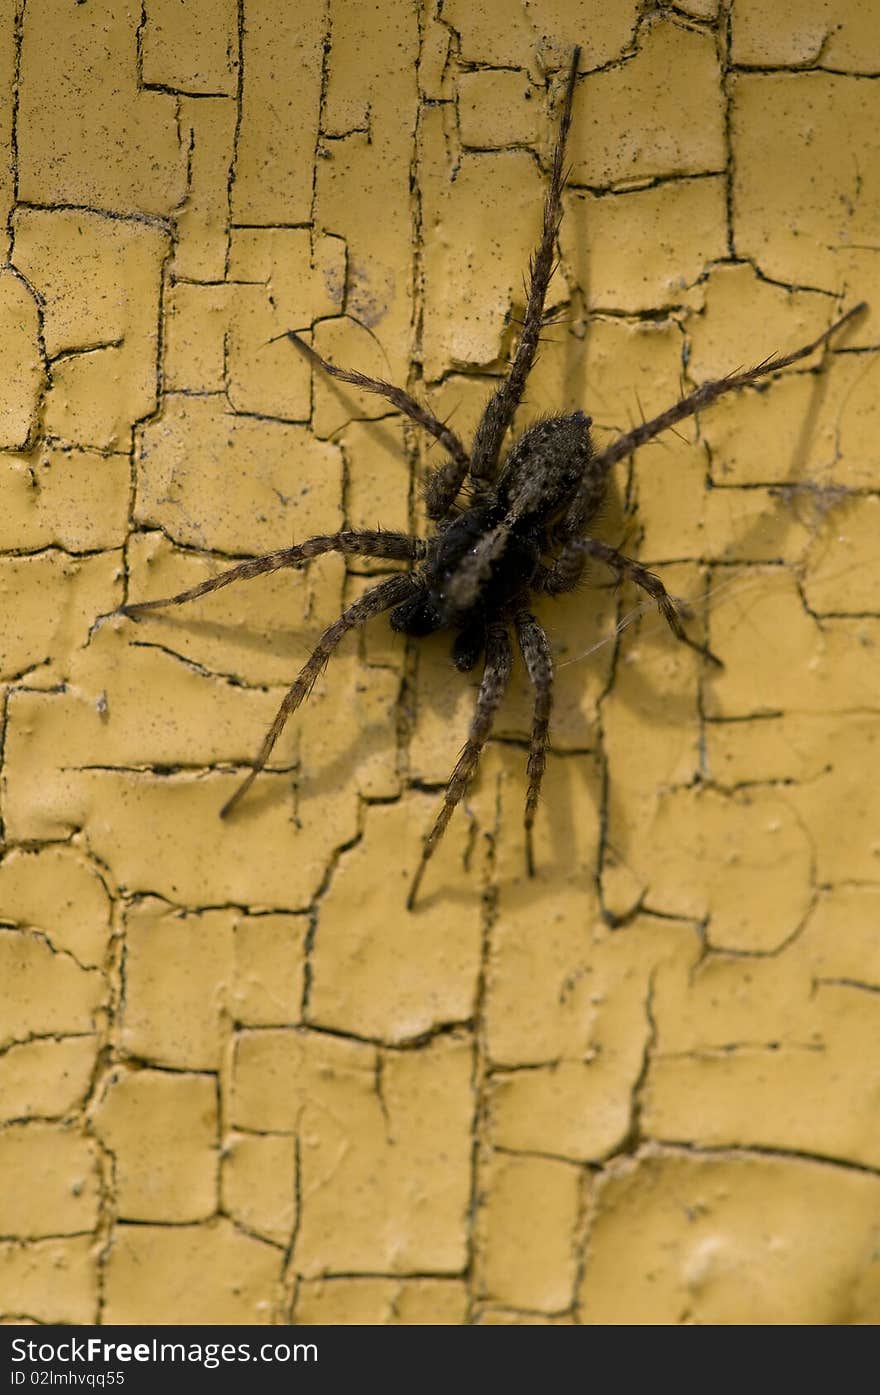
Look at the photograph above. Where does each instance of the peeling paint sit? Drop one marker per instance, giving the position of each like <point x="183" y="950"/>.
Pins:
<point x="238" y="1083"/>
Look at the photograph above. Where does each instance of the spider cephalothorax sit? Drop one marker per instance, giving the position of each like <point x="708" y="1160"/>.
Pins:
<point x="465" y="583"/>
<point x="522" y="532"/>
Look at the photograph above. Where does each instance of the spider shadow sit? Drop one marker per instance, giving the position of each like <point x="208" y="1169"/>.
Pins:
<point x="795" y="482"/>
<point x="748" y="549"/>
<point x="297" y="640"/>
<point x="294" y="638"/>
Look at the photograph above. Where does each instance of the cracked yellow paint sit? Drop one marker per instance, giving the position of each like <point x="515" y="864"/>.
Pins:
<point x="741" y="1238"/>
<point x="189" y="457"/>
<point x="281" y="52"/>
<point x="675" y="128"/>
<point x="48" y="994"/>
<point x="46" y="1078"/>
<point x="161" y="1129"/>
<point x="466" y="221"/>
<point x="101" y="350"/>
<point x="802" y="32"/>
<point x="826" y="171"/>
<point x="190" y="45"/>
<point x="19" y="327"/>
<point x="60" y="891"/>
<point x="72" y="499"/>
<point x="203" y="235"/>
<point x="579" y="1106"/>
<point x="238" y="1082"/>
<point x="69" y="151"/>
<point x="382" y="1301"/>
<point x="197" y="319"/>
<point x="645" y="246"/>
<point x="539" y="29"/>
<point x="50" y="1280"/>
<point x="495" y="109"/>
<point x="259" y="1184"/>
<point x="399" y="1197"/>
<point x="212" y="1272"/>
<point x="528" y="1233"/>
<point x="50" y="1180"/>
<point x="848" y="530"/>
<point x="48" y="600"/>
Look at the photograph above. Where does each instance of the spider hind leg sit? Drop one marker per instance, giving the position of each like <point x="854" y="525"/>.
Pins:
<point x="373" y="602"/>
<point x="444" y="483"/>
<point x="496" y="675"/>
<point x="398" y="547"/>
<point x="566" y="572"/>
<point x="535" y="649"/>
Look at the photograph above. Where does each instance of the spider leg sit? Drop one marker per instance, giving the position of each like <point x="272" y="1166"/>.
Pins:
<point x="397" y="546"/>
<point x="503" y="404"/>
<point x="564" y="575"/>
<point x="416" y="411"/>
<point x="443" y="486"/>
<point x="535" y="649"/>
<point x="690" y="405"/>
<point x="373" y="602"/>
<point x="496" y="675"/>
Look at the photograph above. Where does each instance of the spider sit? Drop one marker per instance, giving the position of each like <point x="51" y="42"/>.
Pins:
<point x="507" y="525"/>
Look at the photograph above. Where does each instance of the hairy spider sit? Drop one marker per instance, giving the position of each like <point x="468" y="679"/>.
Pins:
<point x="522" y="530"/>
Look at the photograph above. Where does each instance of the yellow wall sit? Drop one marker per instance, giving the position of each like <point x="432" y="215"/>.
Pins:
<point x="236" y="1075"/>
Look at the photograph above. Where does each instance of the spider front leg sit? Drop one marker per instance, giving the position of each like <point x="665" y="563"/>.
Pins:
<point x="398" y="547"/>
<point x="502" y="405"/>
<point x="566" y="571"/>
<point x="689" y="407"/>
<point x="416" y="411"/>
<point x="565" y="574"/>
<point x="382" y="597"/>
<point x="443" y="487"/>
<point x="496" y="676"/>
<point x="535" y="649"/>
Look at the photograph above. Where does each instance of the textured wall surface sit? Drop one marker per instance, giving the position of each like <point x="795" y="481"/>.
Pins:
<point x="238" y="1082"/>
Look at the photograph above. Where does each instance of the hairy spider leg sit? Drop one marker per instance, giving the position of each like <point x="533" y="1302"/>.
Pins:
<point x="401" y="399"/>
<point x="500" y="410"/>
<point x="565" y="574"/>
<point x="496" y="675"/>
<point x="569" y="565"/>
<point x="373" y="602"/>
<point x="687" y="407"/>
<point x="371" y="543"/>
<point x="445" y="482"/>
<point x="535" y="649"/>
<point x="502" y="405"/>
